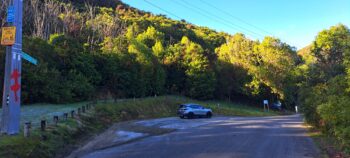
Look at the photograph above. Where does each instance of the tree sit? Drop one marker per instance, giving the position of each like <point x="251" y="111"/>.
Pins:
<point x="76" y="66"/>
<point x="188" y="57"/>
<point x="44" y="16"/>
<point x="325" y="92"/>
<point x="236" y="59"/>
<point x="276" y="62"/>
<point x="105" y="24"/>
<point x="264" y="70"/>
<point x="329" y="49"/>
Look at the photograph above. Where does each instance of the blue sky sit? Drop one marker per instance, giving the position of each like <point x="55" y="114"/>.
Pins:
<point x="296" y="22"/>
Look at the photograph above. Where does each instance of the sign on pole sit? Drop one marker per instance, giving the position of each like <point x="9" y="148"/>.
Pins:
<point x="266" y="102"/>
<point x="10" y="14"/>
<point x="266" y="105"/>
<point x="29" y="58"/>
<point x="8" y="36"/>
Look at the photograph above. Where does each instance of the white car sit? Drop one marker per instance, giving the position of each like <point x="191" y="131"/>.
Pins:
<point x="193" y="110"/>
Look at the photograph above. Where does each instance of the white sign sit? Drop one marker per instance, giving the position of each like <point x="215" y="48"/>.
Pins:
<point x="266" y="102"/>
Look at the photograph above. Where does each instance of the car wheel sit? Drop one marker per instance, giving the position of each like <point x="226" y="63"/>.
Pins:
<point x="190" y="115"/>
<point x="209" y="114"/>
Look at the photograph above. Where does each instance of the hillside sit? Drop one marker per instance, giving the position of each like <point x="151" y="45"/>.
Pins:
<point x="306" y="54"/>
<point x="87" y="50"/>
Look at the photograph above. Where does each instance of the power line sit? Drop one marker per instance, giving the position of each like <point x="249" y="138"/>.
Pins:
<point x="214" y="19"/>
<point x="201" y="11"/>
<point x="223" y="19"/>
<point x="239" y="19"/>
<point x="243" y="21"/>
<point x="162" y="9"/>
<point x="154" y="5"/>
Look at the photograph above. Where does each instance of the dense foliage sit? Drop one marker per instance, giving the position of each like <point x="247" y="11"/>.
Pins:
<point x="324" y="91"/>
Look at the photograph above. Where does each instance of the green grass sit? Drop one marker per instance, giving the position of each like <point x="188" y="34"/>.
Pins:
<point x="36" y="112"/>
<point x="233" y="109"/>
<point x="167" y="106"/>
<point x="102" y="116"/>
<point x="35" y="146"/>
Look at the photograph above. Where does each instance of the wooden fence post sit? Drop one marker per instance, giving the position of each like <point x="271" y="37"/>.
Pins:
<point x="72" y="113"/>
<point x="55" y="120"/>
<point x="26" y="130"/>
<point x="65" y="116"/>
<point x="43" y="125"/>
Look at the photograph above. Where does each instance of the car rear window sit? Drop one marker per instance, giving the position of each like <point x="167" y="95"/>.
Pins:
<point x="182" y="106"/>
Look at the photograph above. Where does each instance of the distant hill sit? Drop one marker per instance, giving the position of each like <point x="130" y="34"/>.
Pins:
<point x="305" y="53"/>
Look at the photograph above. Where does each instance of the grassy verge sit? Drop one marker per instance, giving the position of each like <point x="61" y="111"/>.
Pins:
<point x="35" y="112"/>
<point x="231" y="109"/>
<point x="329" y="147"/>
<point x="54" y="141"/>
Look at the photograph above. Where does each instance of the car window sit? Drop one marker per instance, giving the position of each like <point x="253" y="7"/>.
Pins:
<point x="199" y="106"/>
<point x="194" y="106"/>
<point x="183" y="106"/>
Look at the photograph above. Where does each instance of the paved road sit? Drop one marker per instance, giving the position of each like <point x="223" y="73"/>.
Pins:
<point x="224" y="137"/>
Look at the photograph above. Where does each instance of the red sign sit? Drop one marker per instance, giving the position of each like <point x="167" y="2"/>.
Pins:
<point x="16" y="87"/>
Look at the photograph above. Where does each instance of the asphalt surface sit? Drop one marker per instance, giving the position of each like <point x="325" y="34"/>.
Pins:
<point x="223" y="137"/>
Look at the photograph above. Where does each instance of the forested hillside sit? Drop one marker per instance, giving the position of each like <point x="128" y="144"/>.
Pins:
<point x="92" y="48"/>
<point x="88" y="49"/>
